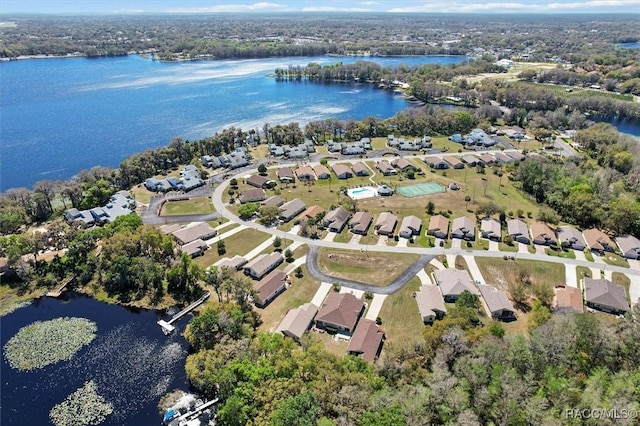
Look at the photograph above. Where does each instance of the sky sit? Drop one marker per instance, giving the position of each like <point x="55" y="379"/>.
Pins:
<point x="353" y="6"/>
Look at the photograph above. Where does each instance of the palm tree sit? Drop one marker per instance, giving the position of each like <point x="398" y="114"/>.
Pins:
<point x="466" y="200"/>
<point x="500" y="173"/>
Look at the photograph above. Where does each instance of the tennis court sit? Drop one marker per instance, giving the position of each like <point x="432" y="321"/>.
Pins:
<point x="420" y="189"/>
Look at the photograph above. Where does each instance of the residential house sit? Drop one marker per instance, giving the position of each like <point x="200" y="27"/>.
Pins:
<point x="120" y="204"/>
<point x="321" y="172"/>
<point x="291" y="209"/>
<point x="463" y="228"/>
<point x="360" y="223"/>
<point x="276" y="150"/>
<point x="470" y="160"/>
<point x="503" y="158"/>
<point x="311" y="212"/>
<point x="308" y="146"/>
<point x="438" y="226"/>
<point x="436" y="163"/>
<point x="190" y="178"/>
<point x="598" y="241"/>
<point x="269" y="287"/>
<point x="274" y="201"/>
<point x="170" y="228"/>
<point x="384" y="190"/>
<point x="366" y="341"/>
<point x="342" y="171"/>
<point x="518" y="230"/>
<point x="360" y="169"/>
<point x="199" y="230"/>
<point x="253" y="195"/>
<point x="403" y="165"/>
<point x="336" y="219"/>
<point x="570" y="237"/>
<point x="194" y="248"/>
<point x="235" y="263"/>
<point x="410" y="226"/>
<point x="497" y="305"/>
<point x="262" y="265"/>
<point x="305" y="173"/>
<point x="391" y="141"/>
<point x="386" y="223"/>
<point x="157" y="185"/>
<point x="353" y="150"/>
<point x="82" y="217"/>
<point x="430" y="304"/>
<point x="297" y="152"/>
<point x="452" y="282"/>
<point x="490" y="229"/>
<point x="568" y="299"/>
<point x="454" y="162"/>
<point x="605" y="296"/>
<point x="485" y="160"/>
<point x="258" y="181"/>
<point x="516" y="155"/>
<point x="333" y="146"/>
<point x="285" y="174"/>
<point x="385" y="168"/>
<point x="340" y="312"/>
<point x="211" y="162"/>
<point x="542" y="234"/>
<point x="297" y="321"/>
<point x="630" y="246"/>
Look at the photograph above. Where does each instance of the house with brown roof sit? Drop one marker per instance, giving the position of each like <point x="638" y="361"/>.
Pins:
<point x="340" y="312"/>
<point x="454" y="162"/>
<point x="630" y="246"/>
<point x="386" y="223"/>
<point x="360" y="223"/>
<point x="336" y="219"/>
<point x="542" y="234"/>
<point x="485" y="159"/>
<point x="305" y="173"/>
<point x="605" y="296"/>
<point x="360" y="169"/>
<point x="463" y="228"/>
<point x="518" y="230"/>
<point x="200" y="230"/>
<point x="342" y="171"/>
<point x="269" y="287"/>
<point x="452" y="282"/>
<point x="291" y="209"/>
<point x="297" y="321"/>
<point x="496" y="303"/>
<point x="570" y="237"/>
<point x="470" y="160"/>
<point x="410" y="226"/>
<point x="366" y="341"/>
<point x="321" y="172"/>
<point x="490" y="229"/>
<point x="430" y="304"/>
<point x="253" y="195"/>
<point x="598" y="241"/>
<point x="516" y="155"/>
<point x="503" y="158"/>
<point x="436" y="163"/>
<point x="258" y="181"/>
<point x="262" y="265"/>
<point x="274" y="201"/>
<point x="194" y="248"/>
<point x="568" y="299"/>
<point x="311" y="212"/>
<point x="403" y="165"/>
<point x="385" y="168"/>
<point x="438" y="226"/>
<point x="285" y="174"/>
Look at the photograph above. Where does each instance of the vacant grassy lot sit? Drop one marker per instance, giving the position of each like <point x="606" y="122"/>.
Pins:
<point x="501" y="273"/>
<point x="301" y="291"/>
<point x="400" y="316"/>
<point x="241" y="243"/>
<point x="372" y="268"/>
<point x="624" y="281"/>
<point x="196" y="205"/>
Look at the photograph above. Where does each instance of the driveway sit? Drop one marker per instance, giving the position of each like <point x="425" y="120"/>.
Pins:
<point x="523" y="248"/>
<point x="456" y="243"/>
<point x="540" y="249"/>
<point x="322" y="292"/>
<point x="473" y="269"/>
<point x="424" y="277"/>
<point x="375" y="306"/>
<point x="595" y="273"/>
<point x="330" y="236"/>
<point x="493" y="246"/>
<point x="402" y="242"/>
<point x="634" y="289"/>
<point x="571" y="275"/>
<point x="579" y="255"/>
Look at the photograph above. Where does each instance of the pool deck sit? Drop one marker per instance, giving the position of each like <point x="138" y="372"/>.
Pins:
<point x="363" y="192"/>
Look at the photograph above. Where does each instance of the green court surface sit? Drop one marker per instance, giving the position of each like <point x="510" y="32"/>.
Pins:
<point x="420" y="189"/>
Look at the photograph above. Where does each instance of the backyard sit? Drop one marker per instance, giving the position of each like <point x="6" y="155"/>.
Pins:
<point x="400" y="316"/>
<point x="500" y="273"/>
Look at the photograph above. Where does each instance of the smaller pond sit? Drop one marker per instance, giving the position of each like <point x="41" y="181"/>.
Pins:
<point x="635" y="45"/>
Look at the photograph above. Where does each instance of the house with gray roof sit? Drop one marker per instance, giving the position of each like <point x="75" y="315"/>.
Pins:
<point x="321" y="172"/>
<point x="518" y="230"/>
<point x="605" y="296"/>
<point x="297" y="152"/>
<point x="211" y="162"/>
<point x="438" y="226"/>
<point x="384" y="190"/>
<point x="274" y="201"/>
<point x="570" y="237"/>
<point x="253" y="195"/>
<point x="269" y="287"/>
<point x="366" y="341"/>
<point x="630" y="246"/>
<point x="470" y="160"/>
<point x="297" y="321"/>
<point x="258" y="181"/>
<point x="410" y="226"/>
<point x="598" y="241"/>
<point x="194" y="248"/>
<point x="386" y="223"/>
<point x="463" y="228"/>
<point x="336" y="219"/>
<point x="340" y="312"/>
<point x="234" y="263"/>
<point x="82" y="217"/>
<point x="342" y="171"/>
<point x="503" y="158"/>
<point x="490" y="229"/>
<point x="452" y="282"/>
<point x="291" y="209"/>
<point x="496" y="303"/>
<point x="516" y="155"/>
<point x="385" y="168"/>
<point x="199" y="230"/>
<point x="360" y="223"/>
<point x="430" y="304"/>
<point x="262" y="265"/>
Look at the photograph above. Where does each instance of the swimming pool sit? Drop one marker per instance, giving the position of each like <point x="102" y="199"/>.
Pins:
<point x="362" y="192"/>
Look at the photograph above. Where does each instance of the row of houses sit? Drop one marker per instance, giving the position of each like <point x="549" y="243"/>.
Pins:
<point x="189" y="179"/>
<point x="234" y="160"/>
<point x="190" y="239"/>
<point x="402" y="144"/>
<point x="354" y="148"/>
<point x="482" y="160"/>
<point x="293" y="152"/>
<point x="120" y="204"/>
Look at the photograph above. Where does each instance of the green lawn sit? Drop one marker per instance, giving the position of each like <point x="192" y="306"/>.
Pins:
<point x="616" y="260"/>
<point x="588" y="255"/>
<point x="624" y="281"/>
<point x="582" y="272"/>
<point x="196" y="205"/>
<point x="369" y="267"/>
<point x="400" y="316"/>
<point x="241" y="243"/>
<point x="567" y="254"/>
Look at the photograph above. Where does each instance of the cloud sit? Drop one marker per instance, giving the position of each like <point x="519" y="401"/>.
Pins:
<point x="334" y="9"/>
<point x="522" y="7"/>
<point x="228" y="8"/>
<point x="369" y="3"/>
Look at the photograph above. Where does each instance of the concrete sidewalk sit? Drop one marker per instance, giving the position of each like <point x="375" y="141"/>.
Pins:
<point x="214" y="240"/>
<point x="256" y="251"/>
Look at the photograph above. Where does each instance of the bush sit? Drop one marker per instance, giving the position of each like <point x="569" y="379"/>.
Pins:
<point x="233" y="182"/>
<point x="336" y="287"/>
<point x="299" y="273"/>
<point x="378" y="321"/>
<point x="368" y="295"/>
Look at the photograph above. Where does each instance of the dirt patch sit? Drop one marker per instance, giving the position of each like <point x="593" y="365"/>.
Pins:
<point x="371" y="268"/>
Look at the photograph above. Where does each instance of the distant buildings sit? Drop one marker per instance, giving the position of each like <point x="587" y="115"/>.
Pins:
<point x="120" y="204"/>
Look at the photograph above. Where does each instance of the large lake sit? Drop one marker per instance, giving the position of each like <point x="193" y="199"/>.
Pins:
<point x="131" y="361"/>
<point x="59" y="116"/>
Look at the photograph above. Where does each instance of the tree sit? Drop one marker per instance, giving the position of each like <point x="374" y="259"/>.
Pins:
<point x="247" y="210"/>
<point x="500" y="174"/>
<point x="277" y="242"/>
<point x="288" y="255"/>
<point x="468" y="300"/>
<point x="262" y="169"/>
<point x="411" y="174"/>
<point x="298" y="410"/>
<point x="299" y="273"/>
<point x="548" y="215"/>
<point x="539" y="315"/>
<point x="431" y="207"/>
<point x="466" y="201"/>
<point x="269" y="215"/>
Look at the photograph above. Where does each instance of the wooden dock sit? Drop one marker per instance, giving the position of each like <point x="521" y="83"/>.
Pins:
<point x="58" y="290"/>
<point x="167" y="326"/>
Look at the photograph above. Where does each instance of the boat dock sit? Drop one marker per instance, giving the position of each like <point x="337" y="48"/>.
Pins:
<point x="58" y="290"/>
<point x="167" y="326"/>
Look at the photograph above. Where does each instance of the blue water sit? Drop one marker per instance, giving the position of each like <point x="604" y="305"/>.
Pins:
<point x="59" y="116"/>
<point x="630" y="45"/>
<point x="131" y="361"/>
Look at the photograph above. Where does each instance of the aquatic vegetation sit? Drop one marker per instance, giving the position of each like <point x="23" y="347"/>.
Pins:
<point x="83" y="407"/>
<point x="46" y="342"/>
